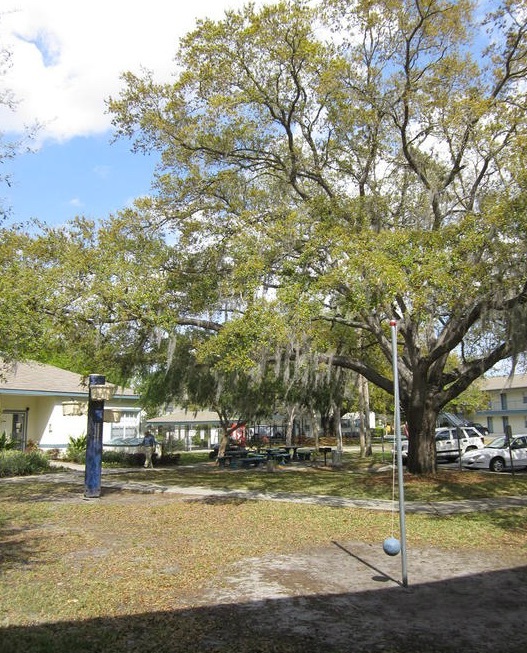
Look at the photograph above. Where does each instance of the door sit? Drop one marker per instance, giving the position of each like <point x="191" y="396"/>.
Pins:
<point x="15" y="426"/>
<point x="519" y="451"/>
<point x="447" y="445"/>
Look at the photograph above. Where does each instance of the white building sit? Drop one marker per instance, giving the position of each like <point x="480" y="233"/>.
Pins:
<point x="350" y="424"/>
<point x="507" y="404"/>
<point x="34" y="399"/>
<point x="187" y="426"/>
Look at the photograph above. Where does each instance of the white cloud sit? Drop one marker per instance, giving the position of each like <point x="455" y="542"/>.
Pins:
<point x="67" y="56"/>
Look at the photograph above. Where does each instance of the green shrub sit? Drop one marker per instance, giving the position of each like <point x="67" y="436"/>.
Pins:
<point x="169" y="458"/>
<point x="197" y="441"/>
<point x="21" y="463"/>
<point x="113" y="458"/>
<point x="5" y="442"/>
<point x="122" y="459"/>
<point x="76" y="451"/>
<point x="176" y="445"/>
<point x="78" y="457"/>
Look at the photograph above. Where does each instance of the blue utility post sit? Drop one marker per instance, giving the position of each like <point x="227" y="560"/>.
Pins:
<point x="92" y="474"/>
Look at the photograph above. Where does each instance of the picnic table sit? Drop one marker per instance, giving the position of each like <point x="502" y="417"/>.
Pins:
<point x="280" y="455"/>
<point x="252" y="460"/>
<point x="292" y="450"/>
<point x="304" y="453"/>
<point x="231" y="457"/>
<point x="245" y="458"/>
<point x="241" y="458"/>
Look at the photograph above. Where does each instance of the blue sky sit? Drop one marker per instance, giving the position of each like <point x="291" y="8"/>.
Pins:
<point x="84" y="175"/>
<point x="66" y="60"/>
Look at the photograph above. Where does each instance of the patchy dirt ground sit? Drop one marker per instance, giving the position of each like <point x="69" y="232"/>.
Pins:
<point x="349" y="597"/>
<point x="346" y="597"/>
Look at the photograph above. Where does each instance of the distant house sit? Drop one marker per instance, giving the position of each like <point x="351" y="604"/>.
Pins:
<point x="507" y="405"/>
<point x="187" y="427"/>
<point x="34" y="402"/>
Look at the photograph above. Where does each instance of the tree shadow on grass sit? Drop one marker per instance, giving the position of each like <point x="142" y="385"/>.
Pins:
<point x="37" y="491"/>
<point x="220" y="501"/>
<point x="16" y="551"/>
<point x="475" y="614"/>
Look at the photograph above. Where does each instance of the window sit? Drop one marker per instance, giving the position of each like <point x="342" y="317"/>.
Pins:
<point x="123" y="431"/>
<point x="505" y="422"/>
<point x="503" y="400"/>
<point x="127" y="427"/>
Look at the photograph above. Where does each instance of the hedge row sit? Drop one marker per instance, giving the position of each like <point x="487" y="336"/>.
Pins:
<point x="121" y="459"/>
<point x="25" y="463"/>
<point x="118" y="459"/>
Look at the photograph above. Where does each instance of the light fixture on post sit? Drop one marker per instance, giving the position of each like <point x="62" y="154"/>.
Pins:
<point x="102" y="392"/>
<point x="74" y="408"/>
<point x="112" y="415"/>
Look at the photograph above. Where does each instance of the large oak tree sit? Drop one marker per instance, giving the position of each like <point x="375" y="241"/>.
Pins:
<point x="20" y="327"/>
<point x="329" y="167"/>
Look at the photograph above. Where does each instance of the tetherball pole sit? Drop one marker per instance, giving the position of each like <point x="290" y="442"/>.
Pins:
<point x="397" y="410"/>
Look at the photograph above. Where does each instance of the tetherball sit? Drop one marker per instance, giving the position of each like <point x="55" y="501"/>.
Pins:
<point x="391" y="546"/>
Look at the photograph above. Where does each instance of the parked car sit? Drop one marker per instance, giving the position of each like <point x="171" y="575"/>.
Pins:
<point x="496" y="456"/>
<point x="451" y="442"/>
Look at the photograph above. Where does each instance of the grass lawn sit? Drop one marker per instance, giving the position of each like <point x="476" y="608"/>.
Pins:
<point x="358" y="479"/>
<point x="66" y="561"/>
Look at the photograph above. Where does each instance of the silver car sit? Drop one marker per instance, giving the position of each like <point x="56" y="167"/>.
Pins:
<point x="498" y="455"/>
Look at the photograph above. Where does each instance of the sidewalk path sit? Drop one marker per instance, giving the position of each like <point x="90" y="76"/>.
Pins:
<point x="75" y="475"/>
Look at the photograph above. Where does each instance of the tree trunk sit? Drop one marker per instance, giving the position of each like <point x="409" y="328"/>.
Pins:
<point x="336" y="454"/>
<point x="421" y="420"/>
<point x="291" y="412"/>
<point x="325" y="422"/>
<point x="315" y="429"/>
<point x="228" y="430"/>
<point x="338" y="427"/>
<point x="364" y="418"/>
<point x="223" y="443"/>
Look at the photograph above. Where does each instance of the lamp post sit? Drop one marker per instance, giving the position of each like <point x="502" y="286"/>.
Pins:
<point x="92" y="473"/>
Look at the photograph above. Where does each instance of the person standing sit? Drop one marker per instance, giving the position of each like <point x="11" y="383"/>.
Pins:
<point x="149" y="444"/>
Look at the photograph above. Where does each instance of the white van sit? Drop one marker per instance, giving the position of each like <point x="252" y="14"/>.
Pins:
<point x="453" y="442"/>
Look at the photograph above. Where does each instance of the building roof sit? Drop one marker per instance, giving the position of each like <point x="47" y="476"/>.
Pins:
<point x="504" y="382"/>
<point x="183" y="416"/>
<point x="40" y="379"/>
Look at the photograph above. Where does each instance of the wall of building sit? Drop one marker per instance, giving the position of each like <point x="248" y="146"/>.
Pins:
<point x="507" y="406"/>
<point x="49" y="428"/>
